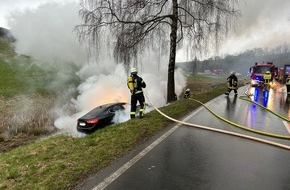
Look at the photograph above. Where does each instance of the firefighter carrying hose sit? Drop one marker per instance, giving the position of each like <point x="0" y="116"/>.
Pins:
<point x="135" y="84"/>
<point x="232" y="81"/>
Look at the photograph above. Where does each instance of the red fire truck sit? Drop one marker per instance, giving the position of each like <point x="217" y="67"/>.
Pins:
<point x="283" y="73"/>
<point x="258" y="70"/>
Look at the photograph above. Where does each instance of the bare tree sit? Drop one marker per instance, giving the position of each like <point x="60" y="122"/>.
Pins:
<point x="140" y="24"/>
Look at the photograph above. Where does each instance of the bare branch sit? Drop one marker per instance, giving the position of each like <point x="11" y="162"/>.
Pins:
<point x="135" y="24"/>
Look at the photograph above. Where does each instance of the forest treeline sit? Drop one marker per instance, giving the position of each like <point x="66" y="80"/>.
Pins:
<point x="241" y="62"/>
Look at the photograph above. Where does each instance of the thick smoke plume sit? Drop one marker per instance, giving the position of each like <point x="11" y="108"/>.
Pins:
<point x="46" y="34"/>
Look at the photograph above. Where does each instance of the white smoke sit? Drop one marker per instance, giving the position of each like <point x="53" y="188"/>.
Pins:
<point x="45" y="33"/>
<point x="264" y="24"/>
<point x="102" y="88"/>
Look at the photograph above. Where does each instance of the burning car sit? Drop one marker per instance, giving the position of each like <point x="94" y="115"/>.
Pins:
<point x="99" y="117"/>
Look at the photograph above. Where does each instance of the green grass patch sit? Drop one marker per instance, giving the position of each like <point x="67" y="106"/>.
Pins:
<point x="61" y="162"/>
<point x="203" y="78"/>
<point x="20" y="77"/>
<point x="6" y="48"/>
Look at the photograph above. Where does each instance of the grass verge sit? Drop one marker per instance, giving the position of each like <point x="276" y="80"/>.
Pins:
<point x="62" y="162"/>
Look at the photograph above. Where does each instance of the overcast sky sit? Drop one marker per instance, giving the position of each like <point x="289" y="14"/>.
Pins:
<point x="265" y="23"/>
<point x="7" y="7"/>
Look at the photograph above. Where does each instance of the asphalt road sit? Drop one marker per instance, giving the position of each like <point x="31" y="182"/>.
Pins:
<point x="191" y="158"/>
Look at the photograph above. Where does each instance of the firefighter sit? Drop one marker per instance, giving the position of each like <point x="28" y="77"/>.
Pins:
<point x="288" y="85"/>
<point x="135" y="84"/>
<point x="267" y="79"/>
<point x="232" y="81"/>
<point x="187" y="93"/>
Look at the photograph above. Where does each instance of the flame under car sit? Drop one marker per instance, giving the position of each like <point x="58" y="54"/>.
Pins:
<point x="99" y="117"/>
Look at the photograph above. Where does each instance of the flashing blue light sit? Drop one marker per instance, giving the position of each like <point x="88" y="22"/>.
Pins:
<point x="258" y="78"/>
<point x="265" y="93"/>
<point x="256" y="94"/>
<point x="265" y="102"/>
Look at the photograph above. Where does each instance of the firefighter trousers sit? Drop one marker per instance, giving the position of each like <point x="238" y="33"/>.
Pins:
<point x="134" y="99"/>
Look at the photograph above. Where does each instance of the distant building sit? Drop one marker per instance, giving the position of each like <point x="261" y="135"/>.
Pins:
<point x="208" y="72"/>
<point x="218" y="71"/>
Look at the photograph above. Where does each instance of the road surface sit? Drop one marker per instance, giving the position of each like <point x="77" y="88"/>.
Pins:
<point x="191" y="158"/>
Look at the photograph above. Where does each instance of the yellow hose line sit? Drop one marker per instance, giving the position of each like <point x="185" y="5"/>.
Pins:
<point x="240" y="126"/>
<point x="219" y="130"/>
<point x="246" y="98"/>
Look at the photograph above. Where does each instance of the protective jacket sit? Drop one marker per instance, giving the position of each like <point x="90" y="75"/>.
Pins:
<point x="288" y="81"/>
<point x="288" y="85"/>
<point x="135" y="84"/>
<point x="138" y="84"/>
<point x="267" y="78"/>
<point x="232" y="82"/>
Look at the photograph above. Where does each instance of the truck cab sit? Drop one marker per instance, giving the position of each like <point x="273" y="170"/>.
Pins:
<point x="258" y="70"/>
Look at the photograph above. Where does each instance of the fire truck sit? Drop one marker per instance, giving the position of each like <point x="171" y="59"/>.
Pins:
<point x="283" y="73"/>
<point x="258" y="70"/>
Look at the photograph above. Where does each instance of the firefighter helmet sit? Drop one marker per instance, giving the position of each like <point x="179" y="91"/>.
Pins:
<point x="268" y="72"/>
<point x="233" y="73"/>
<point x="133" y="71"/>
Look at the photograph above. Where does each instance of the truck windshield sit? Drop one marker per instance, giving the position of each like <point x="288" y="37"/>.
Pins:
<point x="261" y="69"/>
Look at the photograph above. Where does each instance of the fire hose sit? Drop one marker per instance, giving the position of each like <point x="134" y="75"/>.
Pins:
<point x="224" y="131"/>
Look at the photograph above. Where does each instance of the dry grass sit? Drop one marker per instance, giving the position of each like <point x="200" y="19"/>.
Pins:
<point x="24" y="119"/>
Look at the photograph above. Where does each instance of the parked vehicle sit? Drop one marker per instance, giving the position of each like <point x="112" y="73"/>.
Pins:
<point x="283" y="73"/>
<point x="99" y="117"/>
<point x="280" y="77"/>
<point x="258" y="70"/>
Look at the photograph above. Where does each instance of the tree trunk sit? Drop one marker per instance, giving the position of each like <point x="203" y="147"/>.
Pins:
<point x="171" y="96"/>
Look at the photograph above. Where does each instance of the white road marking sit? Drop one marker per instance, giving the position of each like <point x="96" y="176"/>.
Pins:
<point x="130" y="163"/>
<point x="286" y="124"/>
<point x="121" y="170"/>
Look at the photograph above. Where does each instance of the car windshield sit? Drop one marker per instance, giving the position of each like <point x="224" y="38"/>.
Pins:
<point x="116" y="108"/>
<point x="103" y="109"/>
<point x="97" y="111"/>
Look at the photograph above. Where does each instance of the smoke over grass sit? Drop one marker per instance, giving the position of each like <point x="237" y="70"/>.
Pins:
<point x="46" y="34"/>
